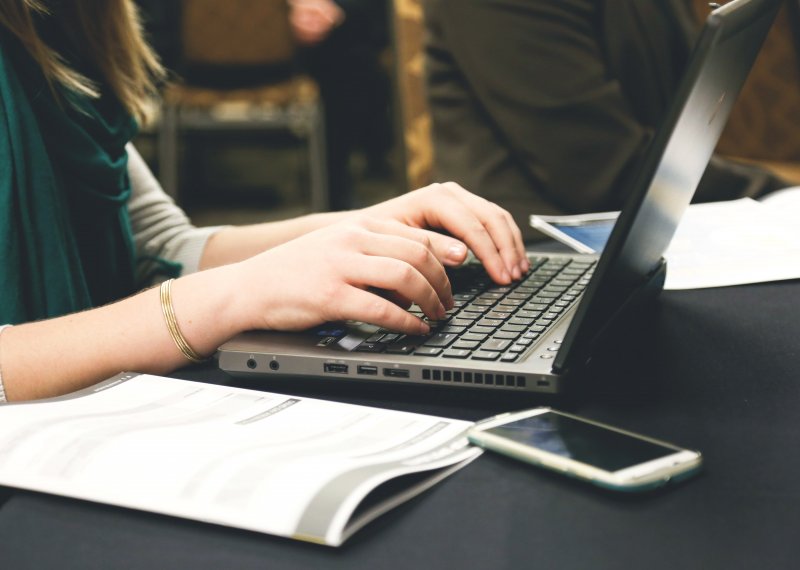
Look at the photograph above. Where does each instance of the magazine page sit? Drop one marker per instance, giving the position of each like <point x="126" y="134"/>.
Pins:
<point x="289" y="466"/>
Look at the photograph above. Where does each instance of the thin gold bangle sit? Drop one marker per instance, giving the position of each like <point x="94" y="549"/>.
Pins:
<point x="2" y="386"/>
<point x="172" y="324"/>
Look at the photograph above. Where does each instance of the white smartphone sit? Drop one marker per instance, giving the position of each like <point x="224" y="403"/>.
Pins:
<point x="584" y="449"/>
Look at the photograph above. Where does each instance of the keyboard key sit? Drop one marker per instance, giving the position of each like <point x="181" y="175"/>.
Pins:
<point x="400" y="348"/>
<point x="527" y="314"/>
<point x="493" y="296"/>
<point x="508" y="335"/>
<point x="520" y="296"/>
<point x="452" y="329"/>
<point x="495" y="314"/>
<point x="428" y="351"/>
<point x="466" y="344"/>
<point x="405" y="345"/>
<point x="495" y="344"/>
<point x="441" y="339"/>
<point x="485" y="355"/>
<point x="456" y="353"/>
<point x="473" y="336"/>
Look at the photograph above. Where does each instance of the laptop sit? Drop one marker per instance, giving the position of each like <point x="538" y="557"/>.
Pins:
<point x="535" y="334"/>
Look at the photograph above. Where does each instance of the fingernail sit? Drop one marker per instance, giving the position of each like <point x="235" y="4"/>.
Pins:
<point x="516" y="273"/>
<point x="424" y="328"/>
<point x="457" y="252"/>
<point x="442" y="313"/>
<point x="506" y="276"/>
<point x="525" y="265"/>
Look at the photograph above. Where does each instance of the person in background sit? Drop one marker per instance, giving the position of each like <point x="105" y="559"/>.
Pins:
<point x="85" y="228"/>
<point x="546" y="106"/>
<point x="342" y="42"/>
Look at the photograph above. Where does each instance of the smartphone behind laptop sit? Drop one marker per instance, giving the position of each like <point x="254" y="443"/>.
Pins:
<point x="533" y="335"/>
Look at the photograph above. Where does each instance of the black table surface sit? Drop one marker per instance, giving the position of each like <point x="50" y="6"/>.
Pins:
<point x="716" y="370"/>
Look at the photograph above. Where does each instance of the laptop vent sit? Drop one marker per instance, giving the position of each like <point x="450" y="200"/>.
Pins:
<point x="459" y="377"/>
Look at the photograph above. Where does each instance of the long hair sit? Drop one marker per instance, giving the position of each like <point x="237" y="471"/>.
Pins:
<point x="112" y="39"/>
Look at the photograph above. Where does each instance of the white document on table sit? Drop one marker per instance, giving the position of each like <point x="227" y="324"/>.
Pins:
<point x="717" y="244"/>
<point x="290" y="466"/>
<point x="737" y="242"/>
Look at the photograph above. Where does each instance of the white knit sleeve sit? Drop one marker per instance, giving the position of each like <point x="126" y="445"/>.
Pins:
<point x="161" y="230"/>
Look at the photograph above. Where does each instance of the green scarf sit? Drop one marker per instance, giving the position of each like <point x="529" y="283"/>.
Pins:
<point x="65" y="235"/>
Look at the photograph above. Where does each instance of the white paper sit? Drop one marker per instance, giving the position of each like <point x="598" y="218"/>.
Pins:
<point x="720" y="244"/>
<point x="278" y="464"/>
<point x="732" y="243"/>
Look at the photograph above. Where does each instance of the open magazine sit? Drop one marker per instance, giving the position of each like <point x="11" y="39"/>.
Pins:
<point x="296" y="467"/>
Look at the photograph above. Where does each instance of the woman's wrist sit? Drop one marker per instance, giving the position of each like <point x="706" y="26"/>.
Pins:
<point x="209" y="307"/>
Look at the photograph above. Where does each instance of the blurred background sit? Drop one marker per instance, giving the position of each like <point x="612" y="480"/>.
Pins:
<point x="274" y="108"/>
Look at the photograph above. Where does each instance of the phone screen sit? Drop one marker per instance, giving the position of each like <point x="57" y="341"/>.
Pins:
<point x="584" y="442"/>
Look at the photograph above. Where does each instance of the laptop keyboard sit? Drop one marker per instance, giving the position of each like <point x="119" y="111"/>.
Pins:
<point x="491" y="322"/>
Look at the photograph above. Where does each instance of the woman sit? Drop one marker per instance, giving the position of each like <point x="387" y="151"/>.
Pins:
<point x="84" y="226"/>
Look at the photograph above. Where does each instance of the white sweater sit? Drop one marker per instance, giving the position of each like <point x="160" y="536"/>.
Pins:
<point x="160" y="228"/>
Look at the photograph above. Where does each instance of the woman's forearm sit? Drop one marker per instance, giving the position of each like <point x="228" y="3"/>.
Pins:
<point x="51" y="357"/>
<point x="238" y="243"/>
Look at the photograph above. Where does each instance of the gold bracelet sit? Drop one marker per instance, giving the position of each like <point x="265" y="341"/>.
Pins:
<point x="172" y="324"/>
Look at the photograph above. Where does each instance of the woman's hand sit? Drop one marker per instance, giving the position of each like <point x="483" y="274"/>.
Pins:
<point x="363" y="269"/>
<point x="487" y="229"/>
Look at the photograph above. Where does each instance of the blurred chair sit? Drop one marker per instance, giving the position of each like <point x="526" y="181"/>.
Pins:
<point x="765" y="123"/>
<point x="238" y="74"/>
<point x="417" y="147"/>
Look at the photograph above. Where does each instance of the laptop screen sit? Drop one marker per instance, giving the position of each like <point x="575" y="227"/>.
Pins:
<point x="672" y="167"/>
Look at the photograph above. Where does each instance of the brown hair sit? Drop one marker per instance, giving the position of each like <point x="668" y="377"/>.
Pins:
<point x="113" y="41"/>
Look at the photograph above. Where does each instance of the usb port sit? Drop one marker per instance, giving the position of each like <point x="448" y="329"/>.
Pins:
<point x="368" y="370"/>
<point x="336" y="368"/>
<point x="395" y="372"/>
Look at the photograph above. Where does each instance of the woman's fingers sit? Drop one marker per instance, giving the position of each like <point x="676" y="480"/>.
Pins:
<point x="487" y="229"/>
<point x="504" y="231"/>
<point x="448" y="250"/>
<point x="490" y="242"/>
<point x="361" y="305"/>
<point x="405" y="279"/>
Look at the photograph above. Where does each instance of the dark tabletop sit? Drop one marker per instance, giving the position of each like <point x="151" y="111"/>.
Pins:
<point x="716" y="370"/>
